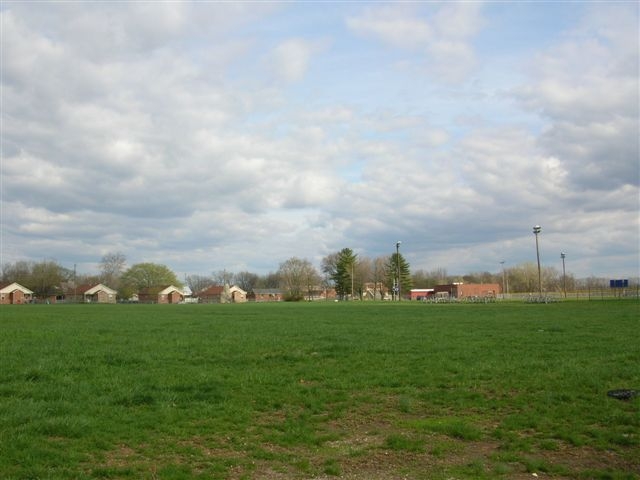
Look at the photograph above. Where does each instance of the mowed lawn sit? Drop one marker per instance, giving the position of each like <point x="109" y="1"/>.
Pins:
<point x="320" y="390"/>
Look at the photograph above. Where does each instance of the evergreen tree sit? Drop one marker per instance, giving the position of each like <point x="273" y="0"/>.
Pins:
<point x="391" y="268"/>
<point x="343" y="274"/>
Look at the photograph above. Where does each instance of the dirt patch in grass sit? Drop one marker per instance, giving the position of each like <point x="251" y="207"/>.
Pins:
<point x="373" y="441"/>
<point x="364" y="454"/>
<point x="578" y="459"/>
<point x="121" y="456"/>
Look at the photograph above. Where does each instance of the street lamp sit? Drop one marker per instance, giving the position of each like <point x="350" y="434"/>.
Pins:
<point x="398" y="266"/>
<point x="536" y="231"/>
<point x="564" y="275"/>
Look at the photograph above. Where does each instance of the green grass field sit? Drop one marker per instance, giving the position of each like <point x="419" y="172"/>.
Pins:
<point x="324" y="390"/>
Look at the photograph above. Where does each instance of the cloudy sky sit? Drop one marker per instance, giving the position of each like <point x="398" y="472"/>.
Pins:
<point x="225" y="135"/>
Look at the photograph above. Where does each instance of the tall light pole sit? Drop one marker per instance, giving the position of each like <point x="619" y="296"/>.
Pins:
<point x="398" y="266"/>
<point x="536" y="231"/>
<point x="564" y="275"/>
<point x="503" y="282"/>
<point x="351" y="280"/>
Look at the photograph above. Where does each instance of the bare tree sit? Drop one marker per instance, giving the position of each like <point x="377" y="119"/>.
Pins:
<point x="363" y="273"/>
<point x="329" y="265"/>
<point x="379" y="275"/>
<point x="198" y="282"/>
<point x="222" y="277"/>
<point x="270" y="280"/>
<point x="19" y="271"/>
<point x="111" y="268"/>
<point x="297" y="276"/>
<point x="246" y="280"/>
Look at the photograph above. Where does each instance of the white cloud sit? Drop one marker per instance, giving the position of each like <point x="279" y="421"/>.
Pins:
<point x="206" y="138"/>
<point x="587" y="87"/>
<point x="461" y="20"/>
<point x="289" y="61"/>
<point x="396" y="25"/>
<point x="444" y="38"/>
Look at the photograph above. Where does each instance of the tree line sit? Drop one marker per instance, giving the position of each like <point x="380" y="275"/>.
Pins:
<point x="348" y="273"/>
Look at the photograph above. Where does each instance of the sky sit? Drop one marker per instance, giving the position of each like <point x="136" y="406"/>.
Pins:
<point x="211" y="136"/>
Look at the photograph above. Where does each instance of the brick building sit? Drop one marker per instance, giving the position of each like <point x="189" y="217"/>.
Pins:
<point x="469" y="290"/>
<point x="164" y="295"/>
<point x="14" y="294"/>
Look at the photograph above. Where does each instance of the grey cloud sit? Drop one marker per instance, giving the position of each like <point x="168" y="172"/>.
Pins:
<point x="160" y="148"/>
<point x="588" y="89"/>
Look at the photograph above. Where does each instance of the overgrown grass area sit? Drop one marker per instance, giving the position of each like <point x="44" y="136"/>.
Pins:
<point x="319" y="390"/>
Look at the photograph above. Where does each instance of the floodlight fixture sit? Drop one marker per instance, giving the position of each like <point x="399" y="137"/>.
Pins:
<point x="536" y="230"/>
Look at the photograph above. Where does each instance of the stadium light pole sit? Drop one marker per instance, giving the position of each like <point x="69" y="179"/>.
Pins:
<point x="536" y="230"/>
<point x="564" y="275"/>
<point x="503" y="282"/>
<point x="398" y="266"/>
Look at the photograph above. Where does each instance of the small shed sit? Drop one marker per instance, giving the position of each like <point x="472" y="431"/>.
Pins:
<point x="14" y="294"/>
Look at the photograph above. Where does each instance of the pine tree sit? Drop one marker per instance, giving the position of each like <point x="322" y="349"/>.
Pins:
<point x="391" y="269"/>
<point x="343" y="274"/>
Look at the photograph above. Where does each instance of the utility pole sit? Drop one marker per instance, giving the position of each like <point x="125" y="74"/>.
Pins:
<point x="398" y="267"/>
<point x="536" y="230"/>
<point x="564" y="275"/>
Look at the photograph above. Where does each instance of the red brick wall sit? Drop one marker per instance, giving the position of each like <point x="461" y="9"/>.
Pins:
<point x="16" y="297"/>
<point x="174" y="297"/>
<point x="478" y="290"/>
<point x="268" y="297"/>
<point x="470" y="289"/>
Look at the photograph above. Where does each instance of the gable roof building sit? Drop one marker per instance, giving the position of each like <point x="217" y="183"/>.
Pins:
<point x="14" y="294"/>
<point x="238" y="295"/>
<point x="211" y="294"/>
<point x="161" y="294"/>
<point x="86" y="293"/>
<point x="98" y="294"/>
<point x="220" y="294"/>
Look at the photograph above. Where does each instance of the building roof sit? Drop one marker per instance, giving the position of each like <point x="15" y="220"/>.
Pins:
<point x="160" y="290"/>
<point x="97" y="288"/>
<point x="170" y="289"/>
<point x="12" y="287"/>
<point x="212" y="290"/>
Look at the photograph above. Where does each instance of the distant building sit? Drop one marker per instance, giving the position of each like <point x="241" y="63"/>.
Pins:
<point x="375" y="291"/>
<point x="420" y="294"/>
<point x="89" y="293"/>
<point x="267" y="295"/>
<point x="238" y="295"/>
<point x="211" y="294"/>
<point x="469" y="290"/>
<point x="14" y="294"/>
<point x="164" y="295"/>
<point x="220" y="294"/>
